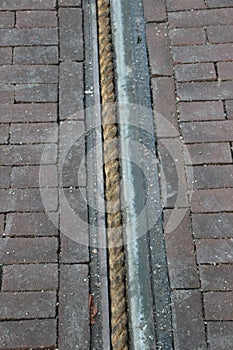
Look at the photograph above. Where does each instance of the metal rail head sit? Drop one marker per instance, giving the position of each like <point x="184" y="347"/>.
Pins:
<point x="119" y="328"/>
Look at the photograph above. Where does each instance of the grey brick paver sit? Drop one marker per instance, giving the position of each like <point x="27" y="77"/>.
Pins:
<point x="71" y="99"/>
<point x="31" y="224"/>
<point x="28" y="37"/>
<point x="5" y="55"/>
<point x="155" y="11"/>
<point x="176" y="5"/>
<point x="29" y="74"/>
<point x="219" y="225"/>
<point x="218" y="278"/>
<point x="36" y="333"/>
<point x="69" y="3"/>
<point x="28" y="250"/>
<point x="30" y="277"/>
<point x="36" y="93"/>
<point x="27" y="4"/>
<point x="71" y="40"/>
<point x="36" y="19"/>
<point x="74" y="318"/>
<point x="158" y="47"/>
<point x="220" y="335"/>
<point x="27" y="112"/>
<point x="207" y="110"/>
<point x="35" y="55"/>
<point x="27" y="305"/>
<point x="180" y="253"/>
<point x="189" y="331"/>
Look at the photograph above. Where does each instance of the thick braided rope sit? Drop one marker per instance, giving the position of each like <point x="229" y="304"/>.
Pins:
<point x="112" y="182"/>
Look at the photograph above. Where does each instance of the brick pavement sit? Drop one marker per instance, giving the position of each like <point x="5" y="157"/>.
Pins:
<point x="43" y="273"/>
<point x="190" y="45"/>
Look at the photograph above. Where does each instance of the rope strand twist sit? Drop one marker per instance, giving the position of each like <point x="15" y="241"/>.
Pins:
<point x="119" y="333"/>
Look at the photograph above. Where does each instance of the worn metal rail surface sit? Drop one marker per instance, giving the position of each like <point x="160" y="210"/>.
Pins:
<point x="137" y="281"/>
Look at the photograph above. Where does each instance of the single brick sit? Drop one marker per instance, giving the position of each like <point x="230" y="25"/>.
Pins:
<point x="207" y="110"/>
<point x="74" y="316"/>
<point x="192" y="72"/>
<point x="202" y="53"/>
<point x="29" y="74"/>
<point x="213" y="225"/>
<point x="158" y="47"/>
<point x="36" y="93"/>
<point x="2" y="224"/>
<point x="5" y="172"/>
<point x="71" y="36"/>
<point x="7" y="19"/>
<point x="28" y="154"/>
<point x="30" y="277"/>
<point x="36" y="112"/>
<point x="28" y="200"/>
<point x="209" y="153"/>
<point x="28" y="334"/>
<point x="220" y="3"/>
<point x="69" y="3"/>
<point x="215" y="200"/>
<point x="187" y="36"/>
<point x="28" y="37"/>
<point x="26" y="305"/>
<point x="4" y="133"/>
<point x="170" y="181"/>
<point x="229" y="109"/>
<point x="33" y="19"/>
<point x="71" y="90"/>
<point x="176" y="5"/>
<point x="155" y="10"/>
<point x="5" y="55"/>
<point x="34" y="133"/>
<point x="31" y="224"/>
<point x="72" y="154"/>
<point x="73" y="252"/>
<point x="205" y="91"/>
<point x="27" y="4"/>
<point x="225" y="70"/>
<point x="218" y="306"/>
<point x="201" y="18"/>
<point x="28" y="250"/>
<point x="180" y="250"/>
<point x="220" y="335"/>
<point x="219" y="277"/>
<point x="213" y="131"/>
<point x="73" y="208"/>
<point x="36" y="55"/>
<point x="220" y="34"/>
<point x="164" y="101"/>
<point x="6" y="94"/>
<point x="34" y="176"/>
<point x="76" y="197"/>
<point x="188" y="325"/>
<point x="72" y="170"/>
<point x="173" y="181"/>
<point x="215" y="251"/>
<point x="212" y="176"/>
